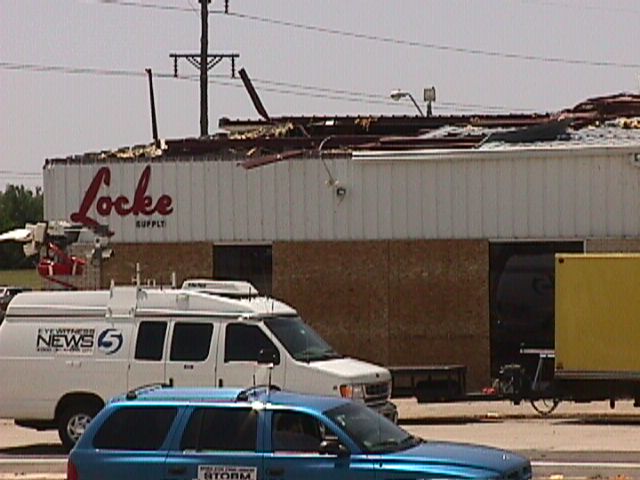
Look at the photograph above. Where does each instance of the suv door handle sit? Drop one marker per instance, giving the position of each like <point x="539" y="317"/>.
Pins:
<point x="177" y="470"/>
<point x="276" y="472"/>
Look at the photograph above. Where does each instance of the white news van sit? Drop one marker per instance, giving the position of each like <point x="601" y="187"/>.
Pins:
<point x="63" y="354"/>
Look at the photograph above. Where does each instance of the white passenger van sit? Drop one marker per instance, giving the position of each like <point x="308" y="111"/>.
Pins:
<point x="64" y="354"/>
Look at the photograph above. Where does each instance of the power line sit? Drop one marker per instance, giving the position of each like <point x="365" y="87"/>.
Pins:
<point x="434" y="46"/>
<point x="409" y="43"/>
<point x="544" y="3"/>
<point x="367" y="98"/>
<point x="379" y="97"/>
<point x="154" y="6"/>
<point x="272" y="86"/>
<point x="193" y="8"/>
<point x="150" y="6"/>
<point x="396" y="41"/>
<point x="558" y="4"/>
<point x="325" y="96"/>
<point x="14" y="173"/>
<point x="128" y="73"/>
<point x="76" y="70"/>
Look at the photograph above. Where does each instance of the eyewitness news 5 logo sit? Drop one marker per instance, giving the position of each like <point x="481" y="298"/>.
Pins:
<point x="110" y="341"/>
<point x="78" y="341"/>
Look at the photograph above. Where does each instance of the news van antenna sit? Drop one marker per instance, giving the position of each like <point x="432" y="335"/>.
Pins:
<point x="270" y="368"/>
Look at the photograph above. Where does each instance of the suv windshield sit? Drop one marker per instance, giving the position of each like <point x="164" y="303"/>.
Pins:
<point x="301" y="341"/>
<point x="372" y="432"/>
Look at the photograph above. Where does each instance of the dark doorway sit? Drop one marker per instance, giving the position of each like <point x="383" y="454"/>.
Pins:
<point x="251" y="263"/>
<point x="521" y="289"/>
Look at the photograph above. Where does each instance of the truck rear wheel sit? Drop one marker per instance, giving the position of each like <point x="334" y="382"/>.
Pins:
<point x="73" y="421"/>
<point x="545" y="406"/>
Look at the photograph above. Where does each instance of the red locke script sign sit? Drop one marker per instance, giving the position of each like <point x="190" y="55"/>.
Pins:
<point x="142" y="203"/>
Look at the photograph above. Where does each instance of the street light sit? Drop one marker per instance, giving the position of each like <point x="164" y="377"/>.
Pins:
<point x="399" y="94"/>
<point x="429" y="97"/>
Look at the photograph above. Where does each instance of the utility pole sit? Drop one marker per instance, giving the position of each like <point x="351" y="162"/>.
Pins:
<point x="204" y="51"/>
<point x="205" y="62"/>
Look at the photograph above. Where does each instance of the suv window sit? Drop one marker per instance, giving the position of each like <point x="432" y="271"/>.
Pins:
<point x="221" y="429"/>
<point x="295" y="432"/>
<point x="244" y="342"/>
<point x="191" y="342"/>
<point x="150" y="341"/>
<point x="135" y="428"/>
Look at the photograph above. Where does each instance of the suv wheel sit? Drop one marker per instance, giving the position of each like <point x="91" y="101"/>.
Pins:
<point x="73" y="422"/>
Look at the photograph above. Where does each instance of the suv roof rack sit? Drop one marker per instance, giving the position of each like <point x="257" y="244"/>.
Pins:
<point x="256" y="390"/>
<point x="133" y="393"/>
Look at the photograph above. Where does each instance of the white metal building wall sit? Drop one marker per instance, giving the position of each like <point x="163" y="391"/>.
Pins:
<point x="500" y="194"/>
<point x="510" y="194"/>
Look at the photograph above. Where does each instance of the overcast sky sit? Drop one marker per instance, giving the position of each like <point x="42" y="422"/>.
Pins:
<point x="72" y="71"/>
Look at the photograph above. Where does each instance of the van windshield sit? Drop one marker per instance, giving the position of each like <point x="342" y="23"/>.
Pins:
<point x="301" y="341"/>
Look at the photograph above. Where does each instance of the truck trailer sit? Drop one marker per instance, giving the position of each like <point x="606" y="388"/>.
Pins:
<point x="595" y="352"/>
<point x="597" y="333"/>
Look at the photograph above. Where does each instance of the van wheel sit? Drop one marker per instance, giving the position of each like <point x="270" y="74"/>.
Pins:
<point x="73" y="422"/>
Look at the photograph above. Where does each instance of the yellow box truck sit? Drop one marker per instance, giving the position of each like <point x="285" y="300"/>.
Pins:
<point x="597" y="336"/>
<point x="597" y="317"/>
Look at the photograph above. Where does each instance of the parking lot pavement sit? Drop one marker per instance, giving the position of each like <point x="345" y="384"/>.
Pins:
<point x="12" y="436"/>
<point x="410" y="409"/>
<point x="572" y="427"/>
<point x="575" y="441"/>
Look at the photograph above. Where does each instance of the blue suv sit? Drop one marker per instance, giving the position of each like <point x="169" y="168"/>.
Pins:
<point x="260" y="434"/>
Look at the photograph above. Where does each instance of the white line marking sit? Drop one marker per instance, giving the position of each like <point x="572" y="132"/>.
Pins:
<point x="31" y="461"/>
<point x="587" y="464"/>
<point x="33" y="476"/>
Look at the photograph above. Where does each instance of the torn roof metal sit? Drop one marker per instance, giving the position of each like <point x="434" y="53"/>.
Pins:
<point x="610" y="120"/>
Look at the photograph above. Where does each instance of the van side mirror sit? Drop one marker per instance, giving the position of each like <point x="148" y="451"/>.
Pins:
<point x="268" y="355"/>
<point x="332" y="446"/>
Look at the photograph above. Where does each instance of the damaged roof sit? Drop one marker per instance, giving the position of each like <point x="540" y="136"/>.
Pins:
<point x="606" y="120"/>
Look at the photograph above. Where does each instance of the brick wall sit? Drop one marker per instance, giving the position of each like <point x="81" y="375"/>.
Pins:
<point x="341" y="288"/>
<point x="157" y="261"/>
<point x="390" y="302"/>
<point x="393" y="302"/>
<point x="439" y="293"/>
<point x="613" y="245"/>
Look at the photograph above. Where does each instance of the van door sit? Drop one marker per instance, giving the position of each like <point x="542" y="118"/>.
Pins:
<point x="240" y="345"/>
<point x="192" y="353"/>
<point x="147" y="359"/>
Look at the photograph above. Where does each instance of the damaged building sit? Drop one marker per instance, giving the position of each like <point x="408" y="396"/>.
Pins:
<point x="402" y="240"/>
